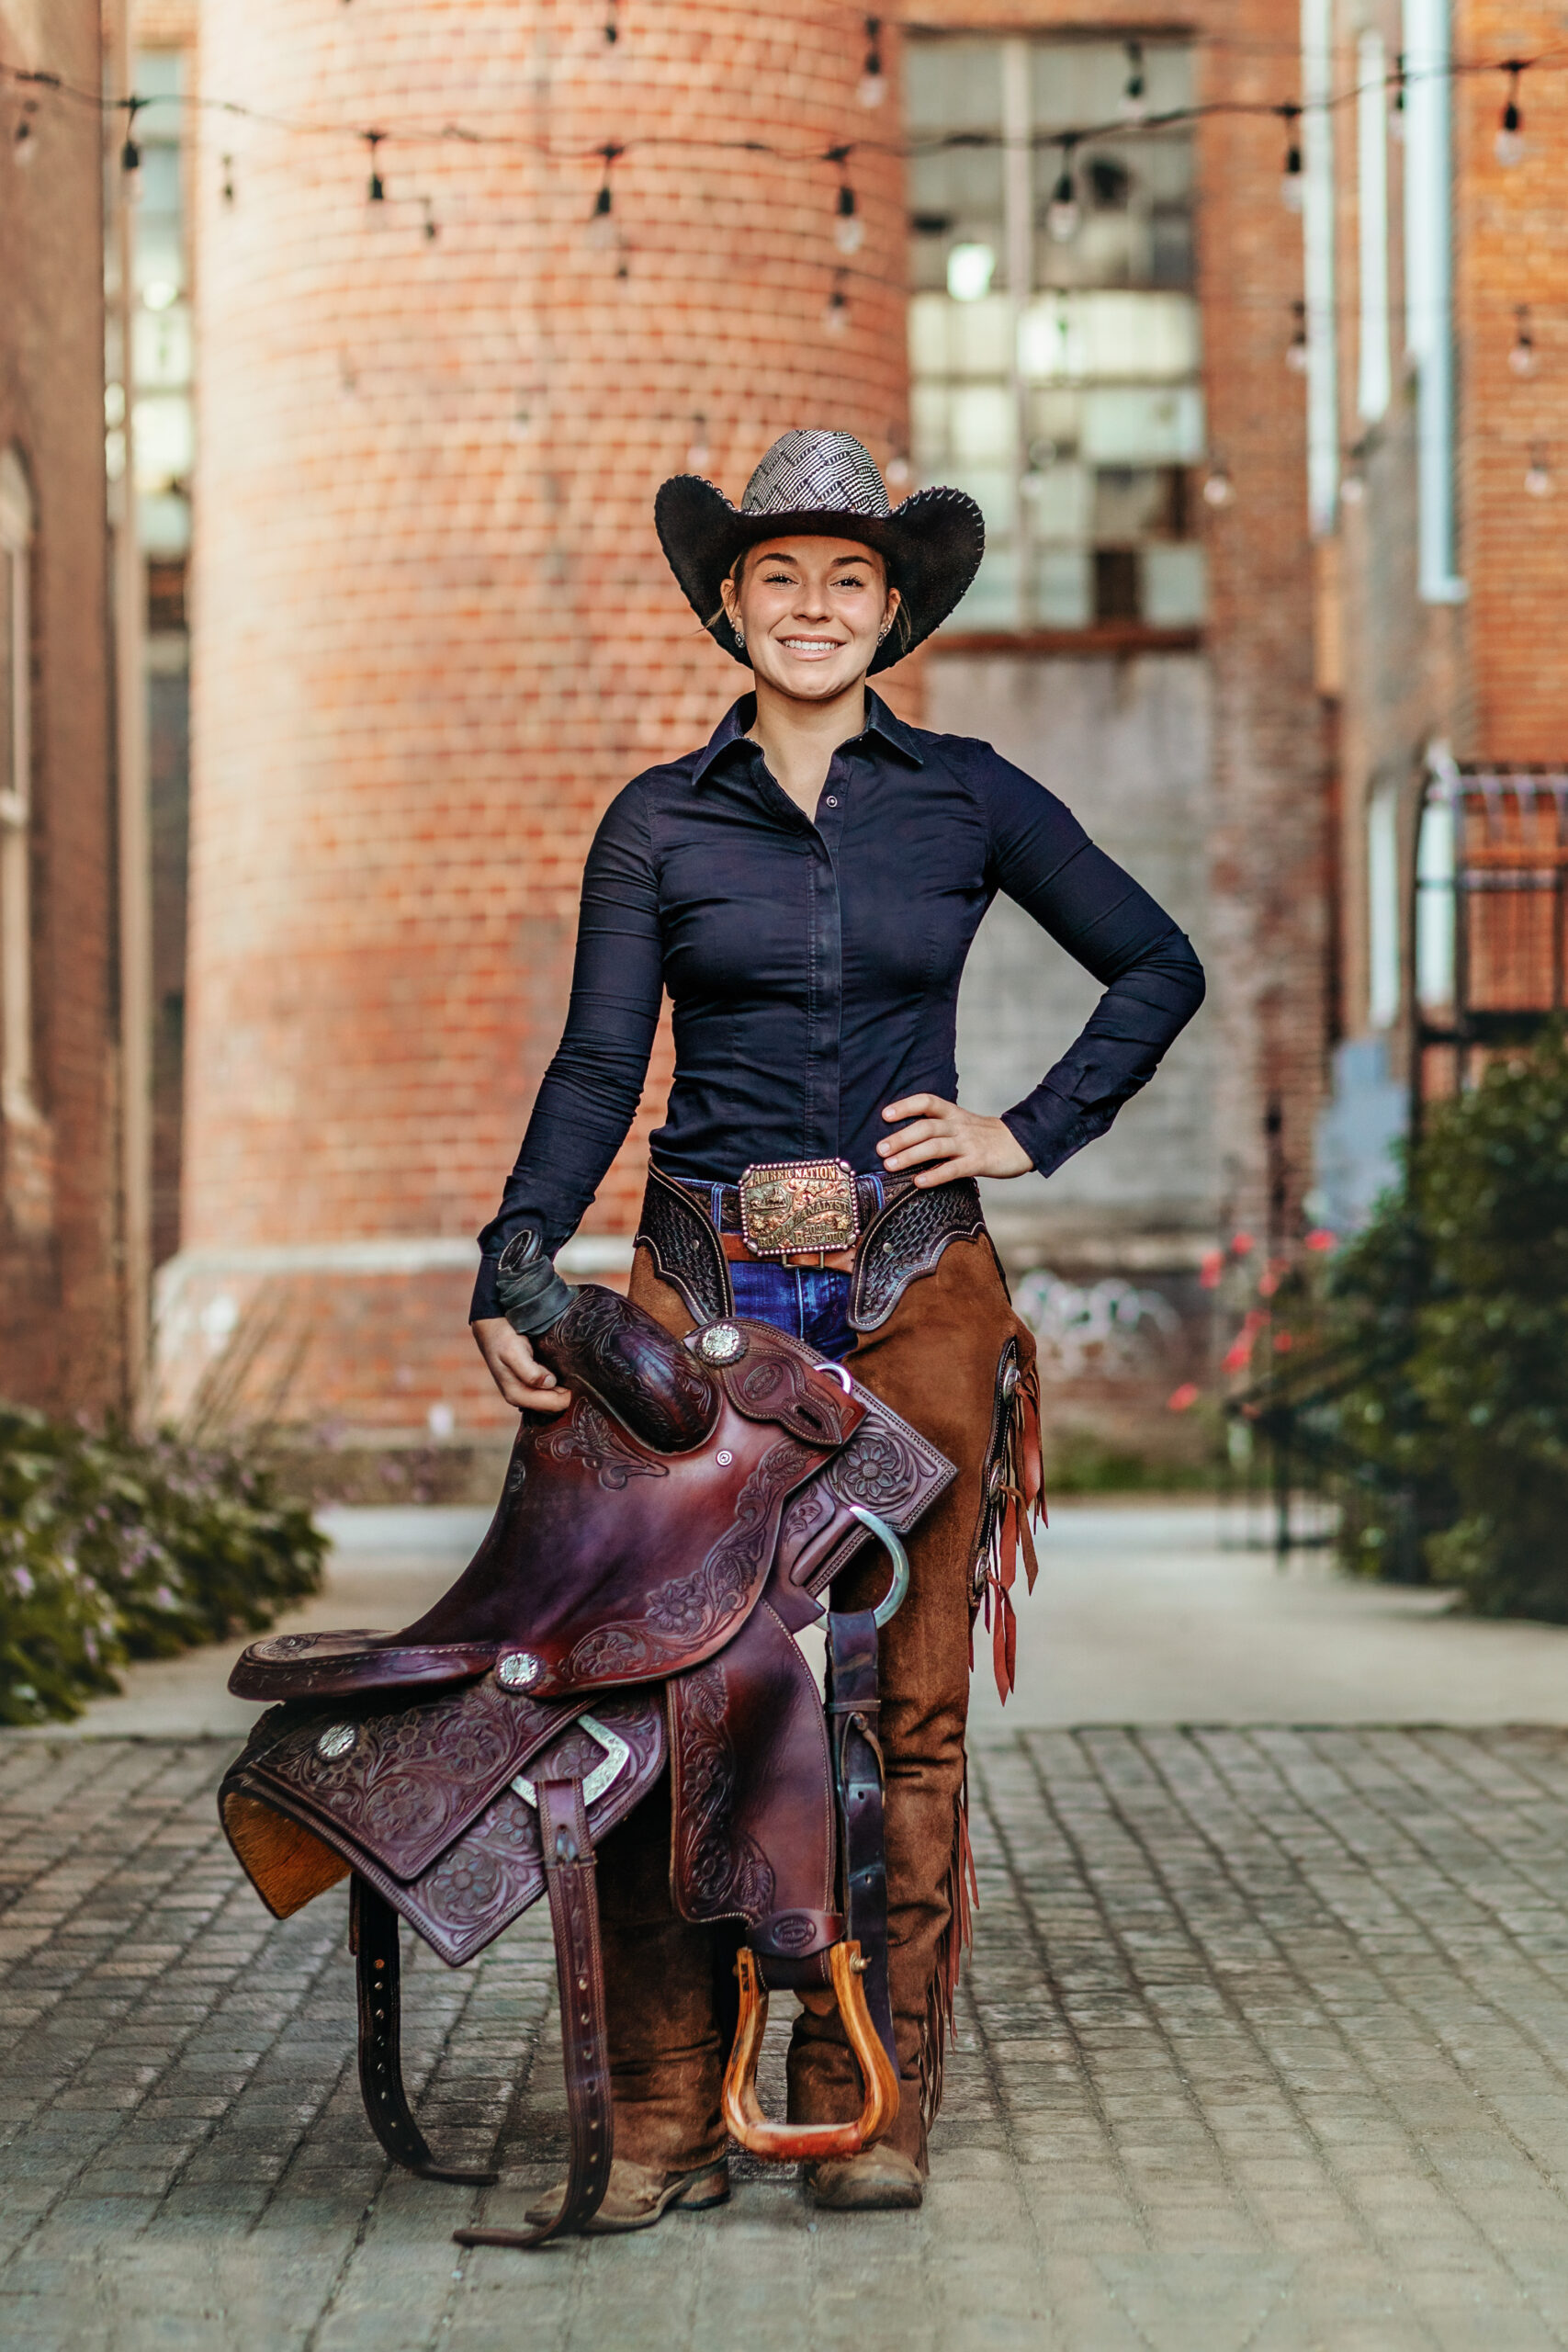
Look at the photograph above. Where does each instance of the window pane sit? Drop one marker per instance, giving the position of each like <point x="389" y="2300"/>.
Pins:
<point x="992" y="600"/>
<point x="1064" y="587"/>
<point x="1125" y="424"/>
<point x="1060" y="501"/>
<point x="1175" y="584"/>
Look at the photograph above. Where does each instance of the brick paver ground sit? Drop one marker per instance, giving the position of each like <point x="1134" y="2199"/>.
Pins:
<point x="1265" y="2044"/>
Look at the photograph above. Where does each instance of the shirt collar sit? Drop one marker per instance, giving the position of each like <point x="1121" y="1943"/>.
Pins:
<point x="740" y="716"/>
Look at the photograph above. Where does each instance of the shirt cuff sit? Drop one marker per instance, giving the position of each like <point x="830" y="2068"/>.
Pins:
<point x="485" y="1303"/>
<point x="1050" y="1127"/>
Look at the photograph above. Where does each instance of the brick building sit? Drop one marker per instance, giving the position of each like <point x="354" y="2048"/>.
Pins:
<point x="61" y="1297"/>
<point x="440" y="380"/>
<point x="1449" y="395"/>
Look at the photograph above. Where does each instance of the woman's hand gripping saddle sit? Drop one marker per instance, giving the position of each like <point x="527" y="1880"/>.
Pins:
<point x="656" y="1549"/>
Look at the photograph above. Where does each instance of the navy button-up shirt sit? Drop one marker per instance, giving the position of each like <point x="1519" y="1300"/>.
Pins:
<point x="814" y="967"/>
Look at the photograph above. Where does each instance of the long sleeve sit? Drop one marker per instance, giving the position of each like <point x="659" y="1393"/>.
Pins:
<point x="1041" y="857"/>
<point x="591" y="1091"/>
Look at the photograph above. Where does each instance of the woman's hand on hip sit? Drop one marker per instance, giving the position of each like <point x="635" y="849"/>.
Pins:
<point x="941" y="1143"/>
<point x="517" y="1371"/>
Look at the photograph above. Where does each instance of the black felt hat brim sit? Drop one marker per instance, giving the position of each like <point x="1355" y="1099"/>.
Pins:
<point x="931" y="546"/>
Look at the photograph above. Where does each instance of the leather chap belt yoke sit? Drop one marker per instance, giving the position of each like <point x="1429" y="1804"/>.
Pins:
<point x="633" y="1608"/>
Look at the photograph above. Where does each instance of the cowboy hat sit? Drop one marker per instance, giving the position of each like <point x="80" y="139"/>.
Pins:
<point x="818" y="481"/>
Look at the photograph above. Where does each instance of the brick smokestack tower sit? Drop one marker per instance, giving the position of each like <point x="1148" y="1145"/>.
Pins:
<point x="433" y="631"/>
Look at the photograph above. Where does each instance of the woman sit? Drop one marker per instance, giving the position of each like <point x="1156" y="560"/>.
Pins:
<point x="808" y="887"/>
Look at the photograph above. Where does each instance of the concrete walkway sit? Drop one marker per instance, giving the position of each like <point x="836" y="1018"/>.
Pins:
<point x="1263" y="2044"/>
<point x="1144" y="1615"/>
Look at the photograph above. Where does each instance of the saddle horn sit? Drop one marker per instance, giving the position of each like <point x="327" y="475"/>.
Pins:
<point x="592" y="1338"/>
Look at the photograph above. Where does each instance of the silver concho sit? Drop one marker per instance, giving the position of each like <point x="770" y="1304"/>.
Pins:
<point x="335" y="1741"/>
<point x="722" y="1343"/>
<point x="518" y="1670"/>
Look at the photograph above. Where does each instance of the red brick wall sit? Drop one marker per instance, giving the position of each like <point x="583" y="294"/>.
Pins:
<point x="1511" y="246"/>
<point x="433" y="630"/>
<point x="60" y="1322"/>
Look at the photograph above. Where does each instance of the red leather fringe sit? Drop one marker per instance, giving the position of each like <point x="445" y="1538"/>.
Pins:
<point x="1022" y="1501"/>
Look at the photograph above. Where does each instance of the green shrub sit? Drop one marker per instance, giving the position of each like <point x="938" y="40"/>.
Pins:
<point x="1432" y="1384"/>
<point x="113" y="1548"/>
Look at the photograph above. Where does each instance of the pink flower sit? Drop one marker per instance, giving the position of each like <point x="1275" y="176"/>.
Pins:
<point x="1321" y="1239"/>
<point x="1241" y="1243"/>
<point x="1182" y="1400"/>
<point x="1211" y="1270"/>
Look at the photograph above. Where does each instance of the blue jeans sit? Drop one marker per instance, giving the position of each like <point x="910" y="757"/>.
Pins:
<point x="811" y="1303"/>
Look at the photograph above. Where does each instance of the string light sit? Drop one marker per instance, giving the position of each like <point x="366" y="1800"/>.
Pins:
<point x="601" y="220"/>
<point x="611" y="22"/>
<point x="1062" y="212"/>
<point x="1296" y="350"/>
<point x="431" y="227"/>
<point x="895" y="472"/>
<point x="699" y="457"/>
<point x="1291" y="184"/>
<point x="1353" y="489"/>
<point x="1509" y="146"/>
<point x="849" y="229"/>
<point x="1218" y="488"/>
<point x="1134" y="103"/>
<point x="228" y="179"/>
<point x="131" y="153"/>
<point x="836" y="310"/>
<point x="1396" y="102"/>
<point x="377" y="191"/>
<point x="1538" y="475"/>
<point x="873" y="81"/>
<point x="1521" y="359"/>
<point x="23" y="144"/>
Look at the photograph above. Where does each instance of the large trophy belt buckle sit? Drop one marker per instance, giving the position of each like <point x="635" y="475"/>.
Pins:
<point x="788" y="1207"/>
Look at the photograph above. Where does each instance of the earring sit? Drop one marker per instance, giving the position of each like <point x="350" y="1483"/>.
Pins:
<point x="883" y="631"/>
<point x="739" y="634"/>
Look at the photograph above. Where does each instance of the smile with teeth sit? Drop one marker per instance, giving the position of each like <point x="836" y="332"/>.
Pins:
<point x="812" y="645"/>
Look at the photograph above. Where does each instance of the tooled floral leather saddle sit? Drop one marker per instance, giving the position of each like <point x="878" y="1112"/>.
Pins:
<point x="632" y="1608"/>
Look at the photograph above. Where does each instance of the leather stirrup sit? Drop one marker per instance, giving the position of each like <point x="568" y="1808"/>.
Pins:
<point x="791" y="2142"/>
<point x="570" y="1875"/>
<point x="373" y="1933"/>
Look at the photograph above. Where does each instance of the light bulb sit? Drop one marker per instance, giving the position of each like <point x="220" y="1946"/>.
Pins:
<point x="1538" y="476"/>
<point x="1509" y="145"/>
<point x="24" y="146"/>
<point x="1521" y="358"/>
<point x="1353" y="490"/>
<point x="872" y="86"/>
<point x="1062" y="215"/>
<point x="849" y="229"/>
<point x="970" y="270"/>
<point x="1293" y="190"/>
<point x="1218" y="488"/>
<point x="897" y="473"/>
<point x="836" y="313"/>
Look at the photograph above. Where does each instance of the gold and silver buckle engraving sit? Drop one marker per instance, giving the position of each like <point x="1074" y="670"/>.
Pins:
<point x="788" y="1207"/>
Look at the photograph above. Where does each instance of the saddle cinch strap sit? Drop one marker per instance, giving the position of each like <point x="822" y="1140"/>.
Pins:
<point x="631" y="1609"/>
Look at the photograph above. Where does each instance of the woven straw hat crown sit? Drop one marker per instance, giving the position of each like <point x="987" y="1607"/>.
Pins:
<point x="806" y="472"/>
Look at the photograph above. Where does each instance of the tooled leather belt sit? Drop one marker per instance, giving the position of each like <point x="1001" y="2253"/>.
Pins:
<point x="687" y="1229"/>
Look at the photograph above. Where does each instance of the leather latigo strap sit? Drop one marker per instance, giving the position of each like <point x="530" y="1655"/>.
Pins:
<point x="570" y="1873"/>
<point x="373" y="1937"/>
<point x="854" y="1712"/>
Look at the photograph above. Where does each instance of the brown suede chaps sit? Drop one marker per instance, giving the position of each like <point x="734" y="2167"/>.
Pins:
<point x="669" y="1985"/>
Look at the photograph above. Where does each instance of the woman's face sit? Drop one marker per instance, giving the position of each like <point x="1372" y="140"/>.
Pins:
<point x="811" y="611"/>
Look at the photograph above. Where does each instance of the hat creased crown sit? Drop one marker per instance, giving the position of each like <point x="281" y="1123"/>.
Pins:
<point x="806" y="472"/>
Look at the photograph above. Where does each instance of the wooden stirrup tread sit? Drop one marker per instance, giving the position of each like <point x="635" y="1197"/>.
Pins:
<point x="797" y="2143"/>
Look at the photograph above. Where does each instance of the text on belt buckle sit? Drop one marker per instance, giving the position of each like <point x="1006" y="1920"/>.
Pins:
<point x="789" y="1206"/>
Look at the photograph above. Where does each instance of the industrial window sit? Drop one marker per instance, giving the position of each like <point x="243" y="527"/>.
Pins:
<point x="16" y="765"/>
<point x="1053" y="332"/>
